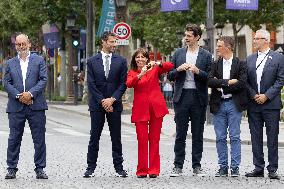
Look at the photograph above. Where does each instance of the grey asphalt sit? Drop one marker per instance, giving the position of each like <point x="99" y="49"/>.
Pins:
<point x="169" y="128"/>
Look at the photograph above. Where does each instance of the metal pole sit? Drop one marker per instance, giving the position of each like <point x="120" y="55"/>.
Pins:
<point x="210" y="25"/>
<point x="89" y="45"/>
<point x="210" y="37"/>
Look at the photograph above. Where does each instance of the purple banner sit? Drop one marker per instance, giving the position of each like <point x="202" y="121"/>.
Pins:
<point x="174" y="5"/>
<point x="242" y="4"/>
<point x="51" y="40"/>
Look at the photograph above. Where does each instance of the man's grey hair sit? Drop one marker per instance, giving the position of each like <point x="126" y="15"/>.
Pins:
<point x="25" y="35"/>
<point x="265" y="34"/>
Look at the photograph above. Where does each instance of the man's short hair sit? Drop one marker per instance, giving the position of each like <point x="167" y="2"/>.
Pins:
<point x="196" y="30"/>
<point x="228" y="41"/>
<point x="106" y="35"/>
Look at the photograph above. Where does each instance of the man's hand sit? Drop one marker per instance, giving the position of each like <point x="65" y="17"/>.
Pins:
<point x="107" y="103"/>
<point x="232" y="81"/>
<point x="260" y="98"/>
<point x="193" y="69"/>
<point x="110" y="109"/>
<point x="26" y="98"/>
<point x="183" y="67"/>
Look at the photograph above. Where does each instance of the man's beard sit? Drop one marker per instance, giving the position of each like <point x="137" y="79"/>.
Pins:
<point x="23" y="53"/>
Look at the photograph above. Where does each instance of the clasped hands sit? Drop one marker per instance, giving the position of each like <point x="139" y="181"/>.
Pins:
<point x="189" y="67"/>
<point x="107" y="104"/>
<point x="260" y="98"/>
<point x="25" y="98"/>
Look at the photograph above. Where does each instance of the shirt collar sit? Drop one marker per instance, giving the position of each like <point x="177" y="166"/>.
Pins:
<point x="104" y="54"/>
<point x="228" y="61"/>
<point x="29" y="54"/>
<point x="263" y="53"/>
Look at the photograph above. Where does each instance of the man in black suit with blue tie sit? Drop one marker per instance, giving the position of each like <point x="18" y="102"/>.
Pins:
<point x="25" y="80"/>
<point x="106" y="77"/>
<point x="265" y="81"/>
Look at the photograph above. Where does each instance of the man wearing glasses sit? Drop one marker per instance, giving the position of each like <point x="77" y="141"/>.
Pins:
<point x="265" y="80"/>
<point x="25" y="80"/>
<point x="106" y="78"/>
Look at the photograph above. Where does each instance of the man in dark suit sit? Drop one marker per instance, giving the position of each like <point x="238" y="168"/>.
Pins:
<point x="227" y="78"/>
<point x="265" y="80"/>
<point x="106" y="79"/>
<point x="191" y="67"/>
<point x="25" y="80"/>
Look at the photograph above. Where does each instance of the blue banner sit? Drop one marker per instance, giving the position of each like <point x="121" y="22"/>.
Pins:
<point x="83" y="38"/>
<point x="242" y="4"/>
<point x="107" y="18"/>
<point x="174" y="5"/>
<point x="51" y="39"/>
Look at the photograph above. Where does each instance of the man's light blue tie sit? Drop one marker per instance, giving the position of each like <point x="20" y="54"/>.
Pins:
<point x="107" y="66"/>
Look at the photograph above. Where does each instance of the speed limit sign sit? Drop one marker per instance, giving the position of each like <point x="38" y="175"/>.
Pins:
<point x="122" y="30"/>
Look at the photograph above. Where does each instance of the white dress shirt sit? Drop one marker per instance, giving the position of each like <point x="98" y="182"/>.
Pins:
<point x="227" y="64"/>
<point x="261" y="60"/>
<point x="24" y="68"/>
<point x="104" y="60"/>
<point x="191" y="58"/>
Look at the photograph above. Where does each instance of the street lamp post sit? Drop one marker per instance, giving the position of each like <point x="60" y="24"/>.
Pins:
<point x="70" y="88"/>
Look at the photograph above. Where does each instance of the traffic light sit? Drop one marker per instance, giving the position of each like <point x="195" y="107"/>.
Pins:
<point x="75" y="38"/>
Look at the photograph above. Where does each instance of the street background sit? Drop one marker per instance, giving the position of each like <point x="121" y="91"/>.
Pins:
<point x="67" y="136"/>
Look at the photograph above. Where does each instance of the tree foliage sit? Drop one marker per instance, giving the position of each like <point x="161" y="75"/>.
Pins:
<point x="160" y="28"/>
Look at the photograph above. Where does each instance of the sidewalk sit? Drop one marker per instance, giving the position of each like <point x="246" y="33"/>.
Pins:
<point x="169" y="128"/>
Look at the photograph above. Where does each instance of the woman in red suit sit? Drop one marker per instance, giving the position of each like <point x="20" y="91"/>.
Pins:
<point x="149" y="108"/>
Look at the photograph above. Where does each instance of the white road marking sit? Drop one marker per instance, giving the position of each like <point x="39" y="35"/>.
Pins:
<point x="70" y="132"/>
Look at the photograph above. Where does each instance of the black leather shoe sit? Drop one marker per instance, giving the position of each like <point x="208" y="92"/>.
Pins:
<point x="11" y="174"/>
<point x="153" y="176"/>
<point x="273" y="175"/>
<point x="121" y="173"/>
<point x="141" y="176"/>
<point x="255" y="173"/>
<point x="40" y="174"/>
<point x="89" y="173"/>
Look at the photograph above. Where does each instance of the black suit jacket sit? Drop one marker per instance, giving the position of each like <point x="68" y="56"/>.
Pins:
<point x="238" y="90"/>
<point x="203" y="63"/>
<point x="101" y="87"/>
<point x="272" y="81"/>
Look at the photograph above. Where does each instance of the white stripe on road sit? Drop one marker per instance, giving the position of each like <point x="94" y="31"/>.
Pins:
<point x="106" y="132"/>
<point x="70" y="132"/>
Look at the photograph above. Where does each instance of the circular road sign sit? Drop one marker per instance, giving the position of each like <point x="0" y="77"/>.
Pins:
<point x="122" y="30"/>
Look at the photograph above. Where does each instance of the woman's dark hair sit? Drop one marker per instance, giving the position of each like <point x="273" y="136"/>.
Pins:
<point x="133" y="65"/>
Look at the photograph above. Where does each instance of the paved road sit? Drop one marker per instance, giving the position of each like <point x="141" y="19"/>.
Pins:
<point x="67" y="139"/>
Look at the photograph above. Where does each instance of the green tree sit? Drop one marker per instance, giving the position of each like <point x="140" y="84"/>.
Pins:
<point x="270" y="13"/>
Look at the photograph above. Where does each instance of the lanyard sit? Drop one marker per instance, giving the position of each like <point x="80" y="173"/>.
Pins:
<point x="262" y="60"/>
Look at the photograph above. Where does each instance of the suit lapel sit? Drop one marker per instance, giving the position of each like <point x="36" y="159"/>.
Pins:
<point x="267" y="63"/>
<point x="253" y="67"/>
<point x="29" y="66"/>
<point x="220" y="68"/>
<point x="233" y="68"/>
<point x="198" y="59"/>
<point x="99" y="64"/>
<point x="18" y="68"/>
<point x="183" y="56"/>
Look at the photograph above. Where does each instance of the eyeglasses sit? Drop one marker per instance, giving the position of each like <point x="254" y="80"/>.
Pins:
<point x="258" y="38"/>
<point x="21" y="44"/>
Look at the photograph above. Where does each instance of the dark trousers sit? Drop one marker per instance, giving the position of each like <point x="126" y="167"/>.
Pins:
<point x="37" y="121"/>
<point x="189" y="108"/>
<point x="256" y="120"/>
<point x="97" y="124"/>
